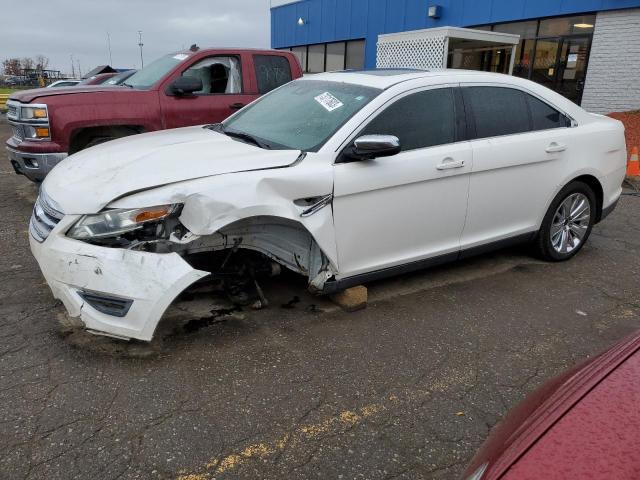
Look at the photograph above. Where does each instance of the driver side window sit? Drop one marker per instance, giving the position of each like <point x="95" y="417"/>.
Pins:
<point x="219" y="75"/>
<point x="419" y="120"/>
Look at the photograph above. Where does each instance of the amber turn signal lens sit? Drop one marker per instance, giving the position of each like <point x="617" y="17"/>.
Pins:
<point x="153" y="214"/>
<point x="42" y="132"/>
<point x="39" y="113"/>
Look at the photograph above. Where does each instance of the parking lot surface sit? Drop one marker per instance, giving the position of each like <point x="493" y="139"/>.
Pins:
<point x="408" y="388"/>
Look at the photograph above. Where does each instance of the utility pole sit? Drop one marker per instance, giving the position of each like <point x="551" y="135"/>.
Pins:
<point x="140" y="44"/>
<point x="109" y="47"/>
<point x="73" y="68"/>
<point x="79" y="69"/>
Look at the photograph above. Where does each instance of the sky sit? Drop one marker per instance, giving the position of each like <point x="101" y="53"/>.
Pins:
<point x="61" y="28"/>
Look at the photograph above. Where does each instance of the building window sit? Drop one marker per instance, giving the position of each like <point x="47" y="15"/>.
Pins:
<point x="315" y="58"/>
<point x="553" y="27"/>
<point x="524" y="29"/>
<point x="335" y="56"/>
<point x="327" y="57"/>
<point x="553" y="51"/>
<point x="355" y="55"/>
<point x="301" y="53"/>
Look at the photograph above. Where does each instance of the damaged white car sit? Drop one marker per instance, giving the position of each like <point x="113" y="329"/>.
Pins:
<point x="342" y="177"/>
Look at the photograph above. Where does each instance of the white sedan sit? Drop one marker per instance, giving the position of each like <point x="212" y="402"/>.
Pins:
<point x="342" y="177"/>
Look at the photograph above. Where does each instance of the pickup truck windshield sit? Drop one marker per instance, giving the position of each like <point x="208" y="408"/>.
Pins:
<point x="149" y="75"/>
<point x="301" y="115"/>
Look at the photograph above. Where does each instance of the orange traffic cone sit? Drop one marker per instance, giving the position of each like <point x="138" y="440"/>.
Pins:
<point x="633" y="166"/>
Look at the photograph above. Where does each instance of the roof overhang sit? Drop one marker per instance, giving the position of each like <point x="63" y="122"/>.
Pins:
<point x="455" y="32"/>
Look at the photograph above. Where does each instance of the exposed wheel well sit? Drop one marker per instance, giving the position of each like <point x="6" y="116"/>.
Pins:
<point x="595" y="185"/>
<point x="81" y="137"/>
<point x="285" y="241"/>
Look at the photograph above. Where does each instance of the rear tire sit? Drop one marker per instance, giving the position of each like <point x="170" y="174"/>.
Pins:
<point x="567" y="224"/>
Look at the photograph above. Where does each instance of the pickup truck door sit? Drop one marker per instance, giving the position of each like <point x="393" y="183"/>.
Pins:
<point x="226" y="87"/>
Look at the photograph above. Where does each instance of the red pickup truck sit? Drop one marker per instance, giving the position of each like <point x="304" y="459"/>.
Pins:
<point x="177" y="90"/>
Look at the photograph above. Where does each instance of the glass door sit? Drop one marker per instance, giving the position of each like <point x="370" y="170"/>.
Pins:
<point x="545" y="62"/>
<point x="572" y="67"/>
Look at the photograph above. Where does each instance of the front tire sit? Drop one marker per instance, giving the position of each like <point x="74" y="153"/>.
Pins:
<point x="568" y="223"/>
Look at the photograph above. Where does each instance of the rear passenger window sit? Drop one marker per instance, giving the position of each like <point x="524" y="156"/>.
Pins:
<point x="419" y="120"/>
<point x="544" y="116"/>
<point x="271" y="72"/>
<point x="497" y="110"/>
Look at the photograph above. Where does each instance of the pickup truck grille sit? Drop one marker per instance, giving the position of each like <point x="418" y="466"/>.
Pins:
<point x="18" y="133"/>
<point x="44" y="219"/>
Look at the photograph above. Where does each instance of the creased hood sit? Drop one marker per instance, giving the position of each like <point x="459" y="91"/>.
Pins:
<point x="89" y="180"/>
<point x="26" y="96"/>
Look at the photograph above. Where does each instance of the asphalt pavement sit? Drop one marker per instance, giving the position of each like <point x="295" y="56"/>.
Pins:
<point x="407" y="388"/>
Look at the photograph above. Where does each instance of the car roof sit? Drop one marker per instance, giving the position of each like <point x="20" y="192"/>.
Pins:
<point x="207" y="50"/>
<point x="384" y="78"/>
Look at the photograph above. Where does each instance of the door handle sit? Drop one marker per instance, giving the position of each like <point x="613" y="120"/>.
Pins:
<point x="236" y="106"/>
<point x="449" y="162"/>
<point x="555" y="147"/>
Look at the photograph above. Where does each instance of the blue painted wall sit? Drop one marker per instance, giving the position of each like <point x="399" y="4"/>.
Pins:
<point x="334" y="20"/>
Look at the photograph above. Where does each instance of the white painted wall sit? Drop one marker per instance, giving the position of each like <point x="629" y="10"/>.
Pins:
<point x="613" y="74"/>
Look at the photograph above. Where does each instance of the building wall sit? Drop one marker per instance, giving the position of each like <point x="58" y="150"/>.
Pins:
<point x="331" y="20"/>
<point x="613" y="74"/>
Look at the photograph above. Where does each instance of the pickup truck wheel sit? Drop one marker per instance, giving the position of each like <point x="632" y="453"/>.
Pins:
<point x="568" y="223"/>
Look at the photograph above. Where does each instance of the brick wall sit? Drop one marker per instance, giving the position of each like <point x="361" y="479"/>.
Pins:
<point x="613" y="74"/>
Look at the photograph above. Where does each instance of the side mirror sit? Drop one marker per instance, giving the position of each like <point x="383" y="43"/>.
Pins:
<point x="186" y="85"/>
<point x="369" y="147"/>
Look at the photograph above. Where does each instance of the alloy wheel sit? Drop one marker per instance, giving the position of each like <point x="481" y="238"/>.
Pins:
<point x="570" y="223"/>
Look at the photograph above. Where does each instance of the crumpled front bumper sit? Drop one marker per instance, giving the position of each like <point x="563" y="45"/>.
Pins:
<point x="147" y="282"/>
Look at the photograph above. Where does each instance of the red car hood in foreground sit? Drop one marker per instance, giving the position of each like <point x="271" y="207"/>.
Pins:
<point x="584" y="424"/>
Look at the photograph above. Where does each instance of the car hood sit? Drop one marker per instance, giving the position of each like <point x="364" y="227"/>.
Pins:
<point x="27" y="96"/>
<point x="89" y="180"/>
<point x="597" y="438"/>
<point x="528" y="423"/>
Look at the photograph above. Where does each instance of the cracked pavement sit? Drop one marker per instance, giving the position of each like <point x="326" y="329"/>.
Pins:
<point x="408" y="388"/>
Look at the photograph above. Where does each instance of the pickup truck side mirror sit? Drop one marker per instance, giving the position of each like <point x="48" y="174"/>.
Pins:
<point x="186" y="85"/>
<point x="369" y="147"/>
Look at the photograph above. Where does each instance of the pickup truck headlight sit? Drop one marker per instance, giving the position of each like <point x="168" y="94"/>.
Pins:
<point x="31" y="131"/>
<point x="33" y="113"/>
<point x="115" y="222"/>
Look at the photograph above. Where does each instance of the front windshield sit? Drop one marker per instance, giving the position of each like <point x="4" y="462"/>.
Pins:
<point x="118" y="79"/>
<point x="152" y="73"/>
<point x="301" y="115"/>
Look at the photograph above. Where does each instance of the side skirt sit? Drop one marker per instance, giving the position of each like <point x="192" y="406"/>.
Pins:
<point x="333" y="286"/>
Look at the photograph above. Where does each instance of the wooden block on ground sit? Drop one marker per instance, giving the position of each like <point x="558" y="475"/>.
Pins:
<point x="351" y="299"/>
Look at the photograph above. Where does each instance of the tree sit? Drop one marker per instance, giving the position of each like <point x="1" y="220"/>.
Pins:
<point x="27" y="63"/>
<point x="41" y="61"/>
<point x="11" y="66"/>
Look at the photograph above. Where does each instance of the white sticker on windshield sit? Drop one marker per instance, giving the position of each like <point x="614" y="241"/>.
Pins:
<point x="181" y="56"/>
<point x="328" y="101"/>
